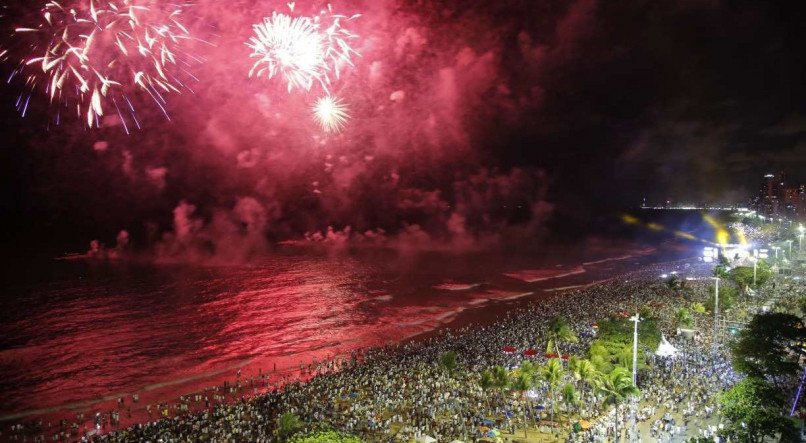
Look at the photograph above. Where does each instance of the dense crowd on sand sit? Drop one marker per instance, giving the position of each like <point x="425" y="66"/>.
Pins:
<point x="397" y="393"/>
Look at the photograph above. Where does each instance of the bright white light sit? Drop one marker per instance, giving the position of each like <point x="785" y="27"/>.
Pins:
<point x="331" y="113"/>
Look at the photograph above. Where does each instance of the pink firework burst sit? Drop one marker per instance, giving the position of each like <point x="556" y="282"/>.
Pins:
<point x="91" y="56"/>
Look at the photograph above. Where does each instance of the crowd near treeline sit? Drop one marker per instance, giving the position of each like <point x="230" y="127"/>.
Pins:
<point x="557" y="370"/>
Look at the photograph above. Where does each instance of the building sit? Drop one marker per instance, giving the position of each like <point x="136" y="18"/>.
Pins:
<point x="767" y="202"/>
<point x="777" y="198"/>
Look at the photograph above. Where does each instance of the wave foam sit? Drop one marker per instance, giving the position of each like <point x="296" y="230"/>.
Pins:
<point x="536" y="275"/>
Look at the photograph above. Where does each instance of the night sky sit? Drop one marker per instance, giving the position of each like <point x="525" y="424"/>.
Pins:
<point x="473" y="124"/>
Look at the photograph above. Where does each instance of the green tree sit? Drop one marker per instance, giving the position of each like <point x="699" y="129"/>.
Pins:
<point x="448" y="361"/>
<point x="520" y="383"/>
<point x="287" y="424"/>
<point x="770" y="347"/>
<point x="802" y="306"/>
<point x="552" y="374"/>
<point x="684" y="318"/>
<point x="617" y="387"/>
<point x="698" y="308"/>
<point x="570" y="397"/>
<point x="327" y="436"/>
<point x="560" y="332"/>
<point x="486" y="382"/>
<point x="753" y="410"/>
<point x="743" y="275"/>
<point x="727" y="297"/>
<point x="500" y="379"/>
<point x="585" y="372"/>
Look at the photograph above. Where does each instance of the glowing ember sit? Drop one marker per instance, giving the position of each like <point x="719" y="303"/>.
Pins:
<point x="330" y="113"/>
<point x="92" y="56"/>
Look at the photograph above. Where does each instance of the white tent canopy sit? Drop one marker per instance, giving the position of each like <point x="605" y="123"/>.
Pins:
<point x="425" y="439"/>
<point x="665" y="349"/>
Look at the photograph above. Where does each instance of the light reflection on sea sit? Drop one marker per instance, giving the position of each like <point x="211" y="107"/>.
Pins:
<point x="97" y="330"/>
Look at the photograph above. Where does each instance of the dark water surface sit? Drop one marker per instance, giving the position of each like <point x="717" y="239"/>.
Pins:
<point x="73" y="333"/>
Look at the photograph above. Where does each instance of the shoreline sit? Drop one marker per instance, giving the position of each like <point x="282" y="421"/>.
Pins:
<point x="472" y="316"/>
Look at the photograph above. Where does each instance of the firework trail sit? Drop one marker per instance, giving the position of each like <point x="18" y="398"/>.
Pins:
<point x="303" y="50"/>
<point x="330" y="113"/>
<point x="93" y="56"/>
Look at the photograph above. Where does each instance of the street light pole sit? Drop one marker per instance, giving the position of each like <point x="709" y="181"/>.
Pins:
<point x="635" y="319"/>
<point x="755" y="267"/>
<point x="716" y="314"/>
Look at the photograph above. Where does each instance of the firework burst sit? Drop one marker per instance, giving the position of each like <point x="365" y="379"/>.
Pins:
<point x="303" y="50"/>
<point x="93" y="56"/>
<point x="330" y="113"/>
<point x="289" y="46"/>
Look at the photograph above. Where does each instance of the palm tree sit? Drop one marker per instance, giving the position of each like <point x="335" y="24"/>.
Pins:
<point x="570" y="397"/>
<point x="616" y="387"/>
<point x="559" y="331"/>
<point x="486" y="382"/>
<point x="585" y="372"/>
<point x="287" y="424"/>
<point x="552" y="374"/>
<point x="530" y="370"/>
<point x="520" y="383"/>
<point x="500" y="379"/>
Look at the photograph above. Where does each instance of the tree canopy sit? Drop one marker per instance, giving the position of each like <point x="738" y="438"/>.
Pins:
<point x="743" y="275"/>
<point x="727" y="297"/>
<point x="328" y="436"/>
<point x="753" y="409"/>
<point x="770" y="346"/>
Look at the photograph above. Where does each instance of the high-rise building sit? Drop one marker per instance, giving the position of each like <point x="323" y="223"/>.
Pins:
<point x="767" y="200"/>
<point x="791" y="201"/>
<point x="777" y="198"/>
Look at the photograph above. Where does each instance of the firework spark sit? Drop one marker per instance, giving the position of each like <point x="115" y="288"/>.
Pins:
<point x="291" y="47"/>
<point x="330" y="113"/>
<point x="92" y="57"/>
<point x="303" y="50"/>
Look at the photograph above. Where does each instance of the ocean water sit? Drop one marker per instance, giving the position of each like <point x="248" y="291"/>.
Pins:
<point x="76" y="334"/>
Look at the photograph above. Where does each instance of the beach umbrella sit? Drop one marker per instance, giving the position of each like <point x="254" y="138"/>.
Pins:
<point x="585" y="424"/>
<point x="509" y="349"/>
<point x="530" y="352"/>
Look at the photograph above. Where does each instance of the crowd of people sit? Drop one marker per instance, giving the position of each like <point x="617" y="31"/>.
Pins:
<point x="400" y="392"/>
